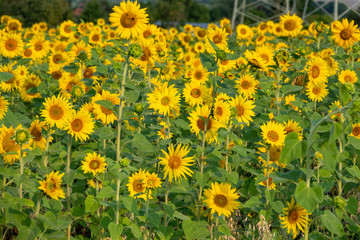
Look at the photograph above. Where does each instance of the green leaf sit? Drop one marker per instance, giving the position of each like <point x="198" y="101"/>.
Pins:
<point x="181" y="216"/>
<point x="290" y="88"/>
<point x="354" y="171"/>
<point x="71" y="69"/>
<point x="115" y="231"/>
<point x="5" y="76"/>
<point x="308" y="197"/>
<point x="130" y="204"/>
<point x="277" y="206"/>
<point x="24" y="202"/>
<point x="182" y="124"/>
<point x="352" y="205"/>
<point x="214" y="46"/>
<point x="106" y="104"/>
<point x="105" y="133"/>
<point x="169" y="209"/>
<point x="224" y="228"/>
<point x="201" y="179"/>
<point x="135" y="230"/>
<point x="253" y="202"/>
<point x="335" y="131"/>
<point x="232" y="56"/>
<point x="154" y="219"/>
<point x="330" y="153"/>
<point x="294" y="148"/>
<point x="332" y="223"/>
<point x="106" y="192"/>
<point x="141" y="143"/>
<point x="195" y="230"/>
<point x="131" y="96"/>
<point x="355" y="142"/>
<point x="91" y="205"/>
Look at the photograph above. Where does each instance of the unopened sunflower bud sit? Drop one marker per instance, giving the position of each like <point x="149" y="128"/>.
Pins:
<point x="221" y="54"/>
<point x="356" y="48"/>
<point x="124" y="162"/>
<point x="77" y="92"/>
<point x="282" y="56"/>
<point x="82" y="56"/>
<point x="139" y="108"/>
<point x="340" y="202"/>
<point x="21" y="136"/>
<point x="135" y="50"/>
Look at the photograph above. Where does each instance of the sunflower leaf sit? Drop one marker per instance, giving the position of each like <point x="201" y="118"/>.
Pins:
<point x="141" y="143"/>
<point x="294" y="148"/>
<point x="5" y="76"/>
<point x="115" y="230"/>
<point x="308" y="197"/>
<point x="91" y="205"/>
<point x="332" y="223"/>
<point x="106" y="104"/>
<point x="355" y="142"/>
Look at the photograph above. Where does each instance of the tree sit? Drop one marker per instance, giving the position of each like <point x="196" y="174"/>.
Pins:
<point x="93" y="11"/>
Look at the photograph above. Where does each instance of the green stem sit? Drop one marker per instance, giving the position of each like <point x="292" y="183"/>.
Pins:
<point x="46" y="151"/>
<point x="21" y="171"/>
<point x="166" y="200"/>
<point x="68" y="161"/>
<point x="202" y="165"/>
<point x="3" y="188"/>
<point x="340" y="168"/>
<point x="146" y="213"/>
<point x="267" y="174"/>
<point x="149" y="78"/>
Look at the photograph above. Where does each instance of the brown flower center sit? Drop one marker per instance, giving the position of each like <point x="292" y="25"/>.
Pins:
<point x="94" y="164"/>
<point x="27" y="52"/>
<point x="293" y="216"/>
<point x="217" y="39"/>
<point x="56" y="112"/>
<point x="347" y="79"/>
<point x="67" y="29"/>
<point x="240" y="110"/>
<point x="201" y="124"/>
<point x="88" y="73"/>
<point x="243" y="31"/>
<point x="356" y="131"/>
<point x="290" y="25"/>
<point x="245" y="84"/>
<point x="29" y="86"/>
<point x="105" y="110"/>
<point x="36" y="133"/>
<point x="174" y="162"/>
<point x="187" y="39"/>
<point x="9" y="144"/>
<point x="165" y="101"/>
<point x="138" y="186"/>
<point x="38" y="46"/>
<point x="220" y="200"/>
<point x="11" y="44"/>
<point x="128" y="20"/>
<point x="145" y="55"/>
<point x="315" y="71"/>
<point x="316" y="90"/>
<point x="95" y="38"/>
<point x="345" y="34"/>
<point x="195" y="93"/>
<point x="77" y="125"/>
<point x="273" y="136"/>
<point x="13" y="26"/>
<point x="57" y="58"/>
<point x="218" y="111"/>
<point x="198" y="75"/>
<point x="146" y="34"/>
<point x="56" y="74"/>
<point x="265" y="57"/>
<point x="202" y="33"/>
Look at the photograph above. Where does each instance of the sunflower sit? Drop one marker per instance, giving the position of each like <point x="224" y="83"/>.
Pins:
<point x="274" y="157"/>
<point x="164" y="99"/>
<point x="200" y="33"/>
<point x="289" y="99"/>
<point x="150" y="30"/>
<point x="268" y="181"/>
<point x="57" y="111"/>
<point x="39" y="46"/>
<point x="92" y="183"/>
<point x="199" y="118"/>
<point x="95" y="38"/>
<point x="218" y="36"/>
<point x="129" y="19"/>
<point x="317" y="70"/>
<point x="273" y="133"/>
<point x="137" y="185"/>
<point x="93" y="163"/>
<point x="102" y="113"/>
<point x="222" y="112"/>
<point x="199" y="47"/>
<point x="68" y="81"/>
<point x="316" y="92"/>
<point x="345" y="34"/>
<point x="163" y="132"/>
<point x="332" y="64"/>
<point x="195" y="93"/>
<point x="14" y="25"/>
<point x="347" y="76"/>
<point x="355" y="132"/>
<point x="176" y="165"/>
<point x="244" y="32"/>
<point x="52" y="185"/>
<point x="29" y="82"/>
<point x="243" y="107"/>
<point x="292" y="126"/>
<point x="58" y="58"/>
<point x="148" y="56"/>
<point x="225" y="65"/>
<point x="292" y="25"/>
<point x="11" y="45"/>
<point x="296" y="217"/>
<point x="56" y="71"/>
<point x="246" y="85"/>
<point x="37" y="140"/>
<point x="153" y="181"/>
<point x="255" y="59"/>
<point x="8" y="144"/>
<point x="167" y="72"/>
<point x="80" y="125"/>
<point x="221" y="199"/>
<point x="266" y="52"/>
<point x="67" y="29"/>
<point x="199" y="74"/>
<point x="3" y="107"/>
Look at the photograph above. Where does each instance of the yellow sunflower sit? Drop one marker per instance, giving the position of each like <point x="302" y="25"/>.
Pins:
<point x="317" y="70"/>
<point x="164" y="99"/>
<point x="221" y="199"/>
<point x="67" y="29"/>
<point x="153" y="181"/>
<point x="93" y="163"/>
<point x="244" y="32"/>
<point x="37" y="140"/>
<point x="57" y="111"/>
<point x="80" y="125"/>
<point x="30" y="81"/>
<point x="102" y="113"/>
<point x="273" y="133"/>
<point x="332" y="64"/>
<point x="316" y="92"/>
<point x="256" y="60"/>
<point x="148" y="56"/>
<point x="195" y="93"/>
<point x="355" y="132"/>
<point x="58" y="58"/>
<point x="246" y="85"/>
<point x="222" y="112"/>
<point x="200" y="121"/>
<point x="129" y="19"/>
<point x="292" y="126"/>
<point x="14" y="25"/>
<point x="137" y="185"/>
<point x="40" y="47"/>
<point x="200" y="33"/>
<point x="3" y="107"/>
<point x="163" y="132"/>
<point x="68" y="81"/>
<point x="289" y="99"/>
<point x="266" y="52"/>
<point x="347" y="76"/>
<point x="52" y="185"/>
<point x="292" y="25"/>
<point x="199" y="74"/>
<point x="268" y="181"/>
<point x="11" y="45"/>
<point x="176" y="165"/>
<point x="345" y="34"/>
<point x="8" y="144"/>
<point x="243" y="107"/>
<point x="295" y="217"/>
<point x="150" y="31"/>
<point x="218" y="36"/>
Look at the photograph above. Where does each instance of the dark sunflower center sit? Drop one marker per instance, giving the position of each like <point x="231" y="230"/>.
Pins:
<point x="88" y="73"/>
<point x="315" y="71"/>
<point x="293" y="216"/>
<point x="57" y="58"/>
<point x="51" y="185"/>
<point x="345" y="34"/>
<point x="174" y="162"/>
<point x="36" y="133"/>
<point x="38" y="46"/>
<point x="56" y="75"/>
<point x="11" y="44"/>
<point x="29" y="86"/>
<point x="146" y="34"/>
<point x="165" y="101"/>
<point x="9" y="144"/>
<point x="105" y="110"/>
<point x="240" y="110"/>
<point x="67" y="29"/>
<point x="263" y="26"/>
<point x="290" y="25"/>
<point x="94" y="164"/>
<point x="217" y="39"/>
<point x="27" y="52"/>
<point x="138" y="186"/>
<point x="224" y="62"/>
<point x="316" y="90"/>
<point x="13" y="26"/>
<point x="195" y="93"/>
<point x="56" y="112"/>
<point x="77" y="125"/>
<point x="198" y="75"/>
<point x="128" y="20"/>
<point x="145" y="54"/>
<point x="220" y="200"/>
<point x="245" y="84"/>
<point x="356" y="131"/>
<point x="269" y="180"/>
<point x="187" y="39"/>
<point x="273" y="136"/>
<point x="243" y="31"/>
<point x="265" y="57"/>
<point x="347" y="79"/>
<point x="95" y="38"/>
<point x="218" y="111"/>
<point x="201" y="124"/>
<point x="202" y="33"/>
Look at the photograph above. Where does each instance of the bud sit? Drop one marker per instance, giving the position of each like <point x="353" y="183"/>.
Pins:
<point x="82" y="56"/>
<point x="124" y="162"/>
<point x="77" y="92"/>
<point x="221" y="54"/>
<point x="139" y="108"/>
<point x="135" y="50"/>
<point x="340" y="202"/>
<point x="350" y="87"/>
<point x="21" y="136"/>
<point x="356" y="48"/>
<point x="282" y="56"/>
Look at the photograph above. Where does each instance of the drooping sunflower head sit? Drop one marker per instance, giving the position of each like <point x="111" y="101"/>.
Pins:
<point x="93" y="163"/>
<point x="52" y="185"/>
<point x="221" y="199"/>
<point x="129" y="19"/>
<point x="295" y="217"/>
<point x="273" y="133"/>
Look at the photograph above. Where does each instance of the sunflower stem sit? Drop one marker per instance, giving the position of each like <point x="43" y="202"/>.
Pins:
<point x="202" y="165"/>
<point x="340" y="168"/>
<point x="68" y="185"/>
<point x="118" y="137"/>
<point x="21" y="171"/>
<point x="227" y="147"/>
<point x="146" y="213"/>
<point x="166" y="200"/>
<point x="149" y="78"/>
<point x="3" y="187"/>
<point x="267" y="174"/>
<point x="46" y="151"/>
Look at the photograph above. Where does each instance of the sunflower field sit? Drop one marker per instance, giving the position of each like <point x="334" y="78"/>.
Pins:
<point x="124" y="130"/>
